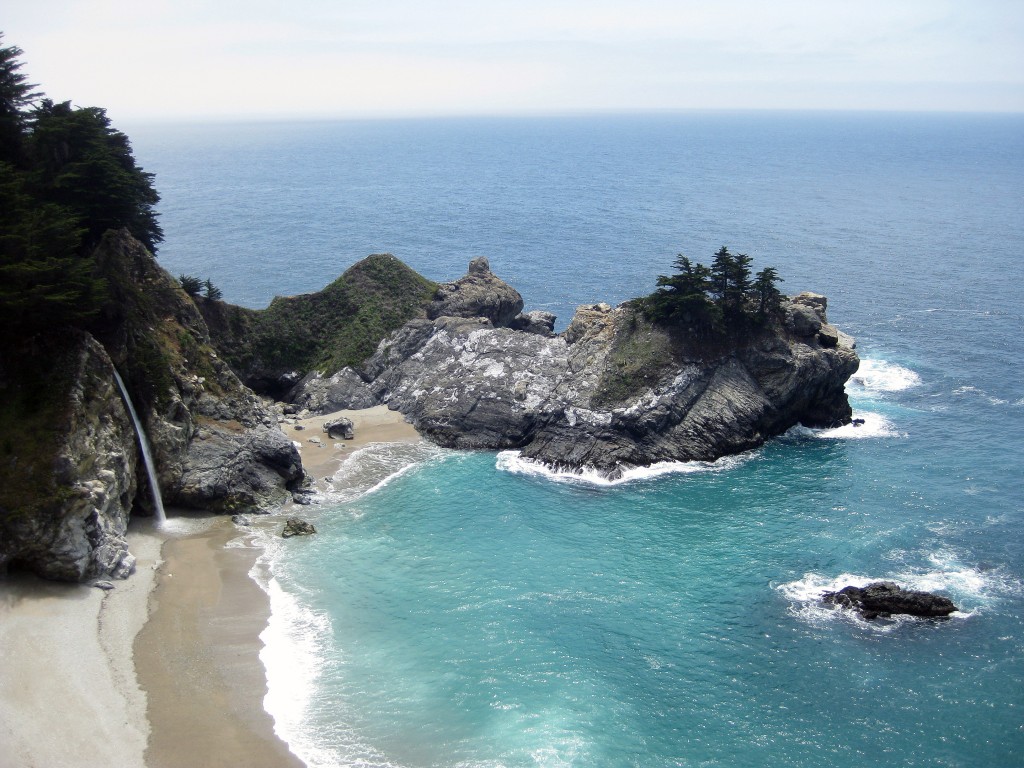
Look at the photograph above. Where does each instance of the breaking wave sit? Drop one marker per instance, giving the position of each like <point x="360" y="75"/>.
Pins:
<point x="878" y="376"/>
<point x="515" y="463"/>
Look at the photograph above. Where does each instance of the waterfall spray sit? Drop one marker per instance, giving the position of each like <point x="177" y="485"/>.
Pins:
<point x="147" y="456"/>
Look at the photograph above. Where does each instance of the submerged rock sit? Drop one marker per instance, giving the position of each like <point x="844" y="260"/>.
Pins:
<point x="296" y="527"/>
<point x="886" y="598"/>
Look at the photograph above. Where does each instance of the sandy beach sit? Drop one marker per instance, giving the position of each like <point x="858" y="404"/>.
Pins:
<point x="164" y="669"/>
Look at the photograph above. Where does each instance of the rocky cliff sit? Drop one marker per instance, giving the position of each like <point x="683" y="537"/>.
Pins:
<point x="69" y="470"/>
<point x="613" y="391"/>
<point x="71" y="484"/>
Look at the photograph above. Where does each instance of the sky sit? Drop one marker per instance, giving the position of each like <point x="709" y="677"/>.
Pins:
<point x="270" y="59"/>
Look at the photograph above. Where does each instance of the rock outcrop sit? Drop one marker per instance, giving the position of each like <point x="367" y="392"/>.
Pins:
<point x="72" y="483"/>
<point x="216" y="445"/>
<point x="479" y="294"/>
<point x="340" y="427"/>
<point x="295" y="527"/>
<point x="70" y="523"/>
<point x="886" y="598"/>
<point x="613" y="391"/>
<point x="318" y="393"/>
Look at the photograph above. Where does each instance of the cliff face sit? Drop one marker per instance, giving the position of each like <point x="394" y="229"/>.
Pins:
<point x="72" y="478"/>
<point x="216" y="445"/>
<point x="614" y="391"/>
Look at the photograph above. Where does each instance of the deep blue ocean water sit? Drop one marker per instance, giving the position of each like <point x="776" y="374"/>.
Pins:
<point x="469" y="611"/>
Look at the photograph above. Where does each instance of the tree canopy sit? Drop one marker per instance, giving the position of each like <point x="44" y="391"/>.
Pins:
<point x="714" y="300"/>
<point x="66" y="177"/>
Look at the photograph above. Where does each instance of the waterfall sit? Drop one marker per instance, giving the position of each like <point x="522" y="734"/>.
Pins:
<point x="147" y="455"/>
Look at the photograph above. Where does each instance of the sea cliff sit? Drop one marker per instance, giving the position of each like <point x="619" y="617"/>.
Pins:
<point x="613" y="391"/>
<point x="72" y="477"/>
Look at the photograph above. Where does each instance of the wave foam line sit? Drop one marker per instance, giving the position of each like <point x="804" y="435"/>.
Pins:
<point x="876" y="376"/>
<point x="515" y="463"/>
<point x="374" y="467"/>
<point x="874" y="425"/>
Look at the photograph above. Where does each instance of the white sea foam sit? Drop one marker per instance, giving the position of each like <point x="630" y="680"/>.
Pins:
<point x="971" y="588"/>
<point x="968" y="391"/>
<point x="292" y="654"/>
<point x="877" y="376"/>
<point x="515" y="463"/>
<point x="375" y="466"/>
<point x="874" y="425"/>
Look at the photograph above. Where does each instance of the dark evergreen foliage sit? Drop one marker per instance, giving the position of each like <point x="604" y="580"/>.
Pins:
<point x="66" y="177"/>
<point x="16" y="95"/>
<point x="193" y="286"/>
<point x="79" y="161"/>
<point x="212" y="292"/>
<point x="716" y="300"/>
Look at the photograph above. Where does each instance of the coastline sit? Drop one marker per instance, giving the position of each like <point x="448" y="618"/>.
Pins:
<point x="164" y="669"/>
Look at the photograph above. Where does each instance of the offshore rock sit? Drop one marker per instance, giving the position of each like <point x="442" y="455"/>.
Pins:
<point x="479" y="294"/>
<point x="613" y="391"/>
<point x="320" y="394"/>
<point x="72" y="526"/>
<point x="296" y="527"/>
<point x="886" y="598"/>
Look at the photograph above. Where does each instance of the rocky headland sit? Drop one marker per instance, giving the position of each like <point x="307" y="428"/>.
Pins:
<point x="612" y="392"/>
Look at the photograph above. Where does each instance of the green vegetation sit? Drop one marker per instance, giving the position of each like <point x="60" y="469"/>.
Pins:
<point x="66" y="177"/>
<point x="193" y="286"/>
<point x="338" y="326"/>
<point x="641" y="355"/>
<point x="717" y="300"/>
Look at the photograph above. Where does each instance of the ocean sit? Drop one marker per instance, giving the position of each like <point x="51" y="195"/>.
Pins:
<point x="468" y="610"/>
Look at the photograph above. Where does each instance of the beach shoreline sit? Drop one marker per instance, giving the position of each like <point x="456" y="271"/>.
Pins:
<point x="164" y="669"/>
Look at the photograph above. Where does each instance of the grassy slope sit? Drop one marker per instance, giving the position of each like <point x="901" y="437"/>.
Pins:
<point x="338" y="326"/>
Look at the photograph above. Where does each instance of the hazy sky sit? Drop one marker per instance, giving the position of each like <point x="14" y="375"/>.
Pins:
<point x="264" y="58"/>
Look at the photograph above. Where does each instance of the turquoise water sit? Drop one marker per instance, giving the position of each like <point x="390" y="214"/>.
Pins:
<point x="468" y="609"/>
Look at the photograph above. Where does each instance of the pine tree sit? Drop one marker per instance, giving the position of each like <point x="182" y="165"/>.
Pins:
<point x="213" y="293"/>
<point x="16" y="94"/>
<point x="766" y="297"/>
<point x="682" y="298"/>
<point x="191" y="285"/>
<point x="44" y="282"/>
<point x="81" y="163"/>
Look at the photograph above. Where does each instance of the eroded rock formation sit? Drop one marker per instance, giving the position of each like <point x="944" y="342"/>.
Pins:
<point x="613" y="391"/>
